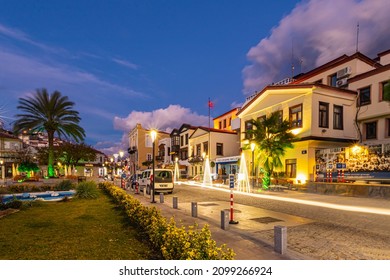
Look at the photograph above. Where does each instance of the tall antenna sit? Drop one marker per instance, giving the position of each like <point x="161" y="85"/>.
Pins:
<point x="300" y="65"/>
<point x="292" y="59"/>
<point x="357" y="37"/>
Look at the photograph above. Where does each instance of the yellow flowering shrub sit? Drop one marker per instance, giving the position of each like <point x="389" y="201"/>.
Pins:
<point x="175" y="243"/>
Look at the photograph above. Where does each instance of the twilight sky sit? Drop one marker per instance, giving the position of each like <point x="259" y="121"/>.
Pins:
<point x="158" y="62"/>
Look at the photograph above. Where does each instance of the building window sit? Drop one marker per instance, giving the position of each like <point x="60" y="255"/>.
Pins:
<point x="291" y="168"/>
<point x="262" y="118"/>
<point x="333" y="80"/>
<point x="296" y="116"/>
<point x="248" y="126"/>
<point x="324" y="115"/>
<point x="382" y="90"/>
<point x="181" y="140"/>
<point x="186" y="139"/>
<point x="149" y="157"/>
<point x="230" y="121"/>
<point x="206" y="147"/>
<point x="148" y="141"/>
<point x="388" y="127"/>
<point x="224" y="123"/>
<point x="370" y="130"/>
<point x="280" y="116"/>
<point x="175" y="141"/>
<point x="365" y="96"/>
<point x="184" y="154"/>
<point x="220" y="125"/>
<point x="198" y="150"/>
<point x="338" y="121"/>
<point x="219" y="149"/>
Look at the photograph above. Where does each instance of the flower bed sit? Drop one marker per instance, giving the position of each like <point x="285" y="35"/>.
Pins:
<point x="175" y="243"/>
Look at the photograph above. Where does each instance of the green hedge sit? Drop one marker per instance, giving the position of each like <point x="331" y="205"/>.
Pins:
<point x="175" y="243"/>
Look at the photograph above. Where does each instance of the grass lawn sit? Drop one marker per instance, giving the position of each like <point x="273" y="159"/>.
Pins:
<point x="76" y="230"/>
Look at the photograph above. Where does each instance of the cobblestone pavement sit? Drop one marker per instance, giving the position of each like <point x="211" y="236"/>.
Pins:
<point x="326" y="241"/>
<point x="331" y="234"/>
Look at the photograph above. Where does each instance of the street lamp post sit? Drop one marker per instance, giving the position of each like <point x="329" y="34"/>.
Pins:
<point x="112" y="169"/>
<point x="253" y="146"/>
<point x="121" y="153"/>
<point x="2" y="171"/>
<point x="153" y="135"/>
<point x="115" y="164"/>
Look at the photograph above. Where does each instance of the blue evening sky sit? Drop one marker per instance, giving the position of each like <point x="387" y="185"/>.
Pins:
<point x="158" y="62"/>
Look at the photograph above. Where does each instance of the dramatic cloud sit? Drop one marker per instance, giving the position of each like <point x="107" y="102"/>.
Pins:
<point x="314" y="33"/>
<point x="162" y="119"/>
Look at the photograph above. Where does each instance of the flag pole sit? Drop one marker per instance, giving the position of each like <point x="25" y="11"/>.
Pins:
<point x="209" y="146"/>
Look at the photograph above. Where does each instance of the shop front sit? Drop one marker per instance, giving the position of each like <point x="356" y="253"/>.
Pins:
<point x="226" y="166"/>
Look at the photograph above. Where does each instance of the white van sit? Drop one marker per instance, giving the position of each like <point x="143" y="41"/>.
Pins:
<point x="164" y="181"/>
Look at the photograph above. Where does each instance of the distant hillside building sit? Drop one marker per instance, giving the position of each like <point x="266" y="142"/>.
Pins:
<point x="10" y="149"/>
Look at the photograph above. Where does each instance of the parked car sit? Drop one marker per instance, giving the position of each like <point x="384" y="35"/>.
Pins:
<point x="164" y="181"/>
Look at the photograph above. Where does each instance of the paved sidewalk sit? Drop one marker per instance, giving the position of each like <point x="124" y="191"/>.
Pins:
<point x="240" y="237"/>
<point x="247" y="238"/>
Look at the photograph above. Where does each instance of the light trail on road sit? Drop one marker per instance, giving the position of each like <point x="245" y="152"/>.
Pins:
<point x="361" y="209"/>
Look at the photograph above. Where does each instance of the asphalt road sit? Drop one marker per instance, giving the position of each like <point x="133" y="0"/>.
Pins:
<point x="332" y="233"/>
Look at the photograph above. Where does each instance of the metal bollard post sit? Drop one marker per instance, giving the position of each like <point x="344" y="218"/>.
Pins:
<point x="194" y="209"/>
<point x="280" y="239"/>
<point x="161" y="198"/>
<point x="144" y="191"/>
<point x="175" y="202"/>
<point x="225" y="219"/>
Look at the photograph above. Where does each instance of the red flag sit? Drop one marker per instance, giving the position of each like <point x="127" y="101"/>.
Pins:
<point x="211" y="104"/>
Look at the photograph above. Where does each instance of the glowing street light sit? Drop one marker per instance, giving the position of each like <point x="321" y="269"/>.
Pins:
<point x="153" y="135"/>
<point x="121" y="153"/>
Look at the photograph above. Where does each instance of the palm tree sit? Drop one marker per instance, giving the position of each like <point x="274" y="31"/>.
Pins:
<point x="272" y="137"/>
<point x="50" y="113"/>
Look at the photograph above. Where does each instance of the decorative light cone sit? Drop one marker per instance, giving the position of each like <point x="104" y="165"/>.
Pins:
<point x="243" y="178"/>
<point x="207" y="180"/>
<point x="176" y="172"/>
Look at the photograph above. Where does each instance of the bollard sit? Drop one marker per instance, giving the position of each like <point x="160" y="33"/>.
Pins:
<point x="161" y="198"/>
<point x="144" y="191"/>
<point x="225" y="219"/>
<point x="280" y="239"/>
<point x="175" y="202"/>
<point x="194" y="209"/>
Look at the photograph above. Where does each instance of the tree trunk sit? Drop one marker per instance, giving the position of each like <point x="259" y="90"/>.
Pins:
<point x="50" y="165"/>
<point x="266" y="179"/>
